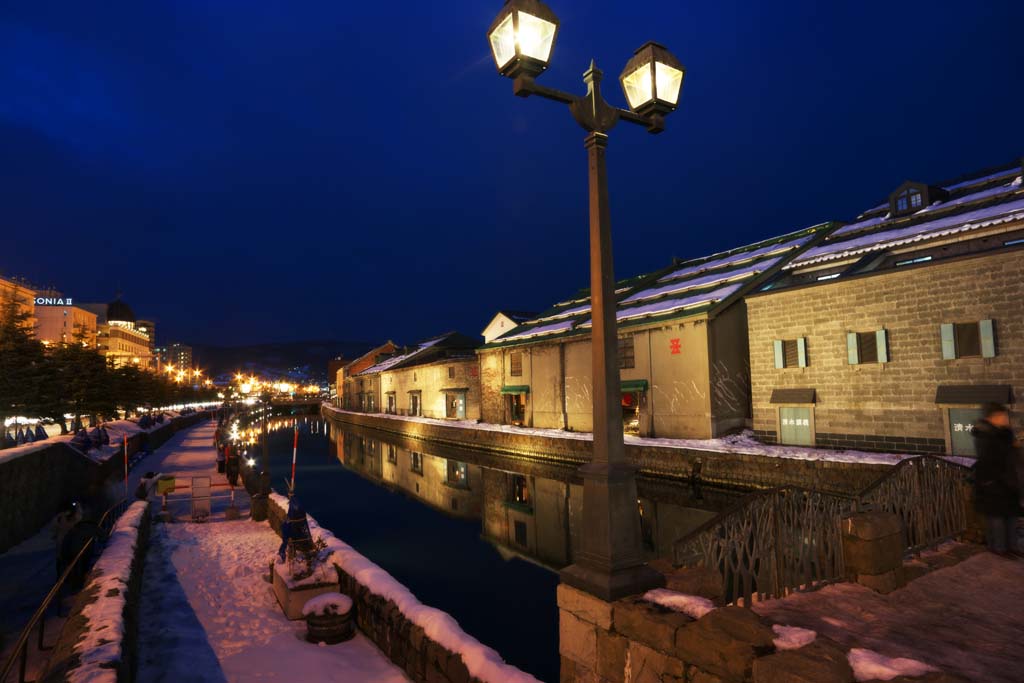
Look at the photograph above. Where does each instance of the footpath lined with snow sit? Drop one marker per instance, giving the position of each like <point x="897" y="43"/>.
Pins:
<point x="966" y="619"/>
<point x="207" y="615"/>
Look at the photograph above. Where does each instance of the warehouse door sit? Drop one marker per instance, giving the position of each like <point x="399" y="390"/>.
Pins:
<point x="795" y="427"/>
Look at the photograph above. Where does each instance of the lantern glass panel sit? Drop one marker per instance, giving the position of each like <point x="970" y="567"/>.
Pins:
<point x="639" y="86"/>
<point x="535" y="37"/>
<point x="669" y="80"/>
<point x="503" y="42"/>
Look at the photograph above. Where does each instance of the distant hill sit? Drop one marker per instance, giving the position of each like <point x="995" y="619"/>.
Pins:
<point x="297" y="360"/>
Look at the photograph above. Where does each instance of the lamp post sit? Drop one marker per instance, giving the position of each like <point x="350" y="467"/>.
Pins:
<point x="610" y="562"/>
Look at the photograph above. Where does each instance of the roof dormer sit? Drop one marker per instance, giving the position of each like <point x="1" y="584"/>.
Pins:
<point x="911" y="197"/>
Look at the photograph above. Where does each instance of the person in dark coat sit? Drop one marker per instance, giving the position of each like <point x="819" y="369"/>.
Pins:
<point x="295" y="529"/>
<point x="996" y="488"/>
<point x="231" y="465"/>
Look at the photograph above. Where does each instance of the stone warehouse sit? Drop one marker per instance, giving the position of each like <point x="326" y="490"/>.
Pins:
<point x="437" y="378"/>
<point x="892" y="333"/>
<point x="683" y="354"/>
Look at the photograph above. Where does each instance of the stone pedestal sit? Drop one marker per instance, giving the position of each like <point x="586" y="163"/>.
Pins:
<point x="292" y="595"/>
<point x="873" y="550"/>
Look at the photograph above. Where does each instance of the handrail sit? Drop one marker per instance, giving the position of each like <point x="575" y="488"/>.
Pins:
<point x="20" y="651"/>
<point x="786" y="537"/>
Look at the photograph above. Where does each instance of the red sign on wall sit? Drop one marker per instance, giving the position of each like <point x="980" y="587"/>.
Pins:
<point x="675" y="346"/>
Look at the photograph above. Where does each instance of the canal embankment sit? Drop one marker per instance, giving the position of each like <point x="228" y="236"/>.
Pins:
<point x="728" y="463"/>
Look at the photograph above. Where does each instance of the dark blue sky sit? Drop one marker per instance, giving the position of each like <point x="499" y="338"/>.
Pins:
<point x="250" y="172"/>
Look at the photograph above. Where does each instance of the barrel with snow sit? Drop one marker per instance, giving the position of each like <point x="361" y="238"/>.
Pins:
<point x="329" y="618"/>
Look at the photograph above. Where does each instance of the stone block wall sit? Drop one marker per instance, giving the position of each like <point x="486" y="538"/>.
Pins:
<point x="711" y="467"/>
<point x="888" y="406"/>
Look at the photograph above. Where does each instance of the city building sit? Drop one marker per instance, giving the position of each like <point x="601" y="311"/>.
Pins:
<point x="60" y="321"/>
<point x="892" y="333"/>
<point x="148" y="327"/>
<point x="179" y="356"/>
<point x="503" y="322"/>
<point x="334" y="366"/>
<point x="683" y="355"/>
<point x="17" y="291"/>
<point x="437" y="378"/>
<point x="346" y="386"/>
<point x="119" y="338"/>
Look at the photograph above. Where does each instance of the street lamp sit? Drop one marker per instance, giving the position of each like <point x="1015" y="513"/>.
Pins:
<point x="610" y="562"/>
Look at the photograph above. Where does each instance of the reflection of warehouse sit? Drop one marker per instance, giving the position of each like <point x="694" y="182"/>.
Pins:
<point x="892" y="333"/>
<point x="453" y="487"/>
<point x="683" y="354"/>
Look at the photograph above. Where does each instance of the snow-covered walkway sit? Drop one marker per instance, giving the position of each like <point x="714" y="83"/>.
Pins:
<point x="966" y="619"/>
<point x="208" y="616"/>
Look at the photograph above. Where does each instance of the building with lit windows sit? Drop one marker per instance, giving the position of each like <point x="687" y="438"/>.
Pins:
<point x="119" y="337"/>
<point x="60" y="321"/>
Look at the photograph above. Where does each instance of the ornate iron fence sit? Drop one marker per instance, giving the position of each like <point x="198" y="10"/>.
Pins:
<point x="789" y="539"/>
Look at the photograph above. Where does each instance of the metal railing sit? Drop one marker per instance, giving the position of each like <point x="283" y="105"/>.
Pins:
<point x="19" y="655"/>
<point x="789" y="539"/>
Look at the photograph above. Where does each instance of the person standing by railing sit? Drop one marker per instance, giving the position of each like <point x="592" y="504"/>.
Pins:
<point x="996" y="485"/>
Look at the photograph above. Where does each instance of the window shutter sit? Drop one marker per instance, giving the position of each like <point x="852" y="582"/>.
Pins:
<point x="987" y="331"/>
<point x="948" y="342"/>
<point x="882" y="344"/>
<point x="801" y="351"/>
<point x="851" y="348"/>
<point x="779" y="362"/>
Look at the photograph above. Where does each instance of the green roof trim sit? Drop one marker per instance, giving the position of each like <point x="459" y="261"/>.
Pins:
<point x="630" y="385"/>
<point x="516" y="389"/>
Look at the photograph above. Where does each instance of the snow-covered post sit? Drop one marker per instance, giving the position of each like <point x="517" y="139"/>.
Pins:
<point x="295" y="451"/>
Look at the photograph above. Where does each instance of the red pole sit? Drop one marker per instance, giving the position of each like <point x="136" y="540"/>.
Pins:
<point x="295" y="450"/>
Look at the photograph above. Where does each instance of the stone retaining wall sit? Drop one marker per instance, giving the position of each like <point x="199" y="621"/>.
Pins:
<point x="33" y="487"/>
<point x="735" y="470"/>
<point x="99" y="642"/>
<point x="406" y="644"/>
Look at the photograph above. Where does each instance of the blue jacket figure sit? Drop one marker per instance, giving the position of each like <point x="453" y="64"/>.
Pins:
<point x="295" y="528"/>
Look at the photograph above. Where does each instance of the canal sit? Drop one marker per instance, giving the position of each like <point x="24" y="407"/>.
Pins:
<point x="480" y="540"/>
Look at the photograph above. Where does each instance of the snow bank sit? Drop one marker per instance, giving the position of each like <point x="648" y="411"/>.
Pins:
<point x="328" y="603"/>
<point x="691" y="605"/>
<point x="481" y="661"/>
<point x="100" y="650"/>
<point x="869" y="665"/>
<point x="742" y="444"/>
<point x="792" y="637"/>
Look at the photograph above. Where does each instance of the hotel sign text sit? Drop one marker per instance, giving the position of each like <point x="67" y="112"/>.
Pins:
<point x="50" y="301"/>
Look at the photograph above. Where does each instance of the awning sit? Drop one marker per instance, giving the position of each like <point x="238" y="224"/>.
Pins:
<point x="631" y="385"/>
<point x="974" y="393"/>
<point x="516" y="389"/>
<point x="793" y="396"/>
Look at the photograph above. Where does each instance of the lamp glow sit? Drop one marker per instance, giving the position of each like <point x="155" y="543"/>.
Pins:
<point x="522" y="37"/>
<point x="652" y="80"/>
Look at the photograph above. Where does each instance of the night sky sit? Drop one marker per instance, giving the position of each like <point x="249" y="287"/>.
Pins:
<point x="251" y="172"/>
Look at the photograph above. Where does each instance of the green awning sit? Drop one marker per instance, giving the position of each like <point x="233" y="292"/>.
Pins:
<point x="516" y="389"/>
<point x="631" y="385"/>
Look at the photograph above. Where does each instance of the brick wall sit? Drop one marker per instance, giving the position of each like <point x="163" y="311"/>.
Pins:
<point x="889" y="406"/>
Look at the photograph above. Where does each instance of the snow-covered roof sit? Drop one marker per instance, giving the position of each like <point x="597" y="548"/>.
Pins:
<point x="681" y="289"/>
<point x="449" y="339"/>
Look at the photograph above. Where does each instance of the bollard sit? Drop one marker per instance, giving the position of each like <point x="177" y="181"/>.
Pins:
<point x="873" y="550"/>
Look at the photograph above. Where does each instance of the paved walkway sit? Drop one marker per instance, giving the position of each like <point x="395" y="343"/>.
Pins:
<point x="208" y="616"/>
<point x="966" y="619"/>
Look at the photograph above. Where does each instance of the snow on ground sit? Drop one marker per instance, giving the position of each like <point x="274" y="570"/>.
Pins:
<point x="965" y="619"/>
<point x="743" y="443"/>
<point x="208" y="616"/>
<point x="691" y="605"/>
<point x="868" y="665"/>
<point x="792" y="637"/>
<point x="482" y="662"/>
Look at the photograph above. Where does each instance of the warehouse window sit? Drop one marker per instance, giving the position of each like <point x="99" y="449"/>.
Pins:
<point x="791" y="353"/>
<point x="516" y="364"/>
<point x="627" y="357"/>
<point x="416" y="463"/>
<point x="451" y="373"/>
<point x="968" y="340"/>
<point x="867" y="347"/>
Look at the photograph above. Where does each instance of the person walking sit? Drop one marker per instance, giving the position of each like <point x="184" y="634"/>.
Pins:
<point x="996" y="486"/>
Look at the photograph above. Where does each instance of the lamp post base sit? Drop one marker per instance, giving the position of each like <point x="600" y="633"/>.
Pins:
<point x="612" y="586"/>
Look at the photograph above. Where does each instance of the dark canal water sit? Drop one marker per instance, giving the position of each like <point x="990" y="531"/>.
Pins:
<point x="479" y="539"/>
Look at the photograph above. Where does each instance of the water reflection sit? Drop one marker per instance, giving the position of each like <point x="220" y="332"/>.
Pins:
<point x="527" y="509"/>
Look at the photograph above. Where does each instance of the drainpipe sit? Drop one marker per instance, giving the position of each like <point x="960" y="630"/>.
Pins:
<point x="561" y="368"/>
<point x="650" y="373"/>
<point x="530" y="399"/>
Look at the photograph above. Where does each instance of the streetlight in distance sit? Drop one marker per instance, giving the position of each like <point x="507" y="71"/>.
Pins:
<point x="610" y="561"/>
